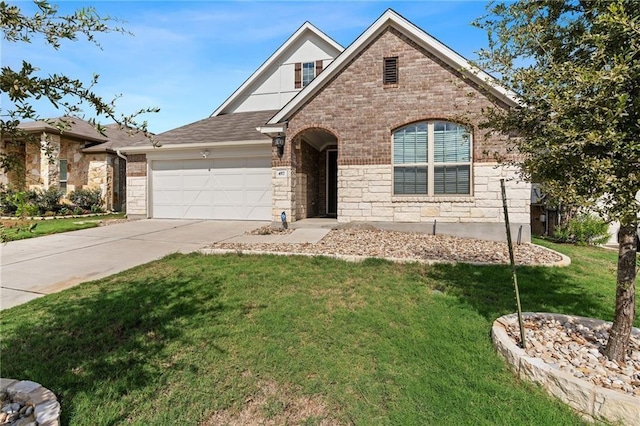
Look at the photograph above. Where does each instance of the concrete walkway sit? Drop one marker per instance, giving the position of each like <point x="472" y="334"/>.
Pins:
<point x="36" y="267"/>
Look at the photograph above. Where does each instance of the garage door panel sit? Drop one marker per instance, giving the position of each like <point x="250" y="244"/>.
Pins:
<point x="195" y="181"/>
<point x="227" y="211"/>
<point x="258" y="197"/>
<point x="168" y="210"/>
<point x="167" y="181"/>
<point x="169" y="196"/>
<point x="258" y="180"/>
<point x="229" y="197"/>
<point x="222" y="188"/>
<point x="258" y="212"/>
<point x="197" y="197"/>
<point x="196" y="212"/>
<point x="229" y="179"/>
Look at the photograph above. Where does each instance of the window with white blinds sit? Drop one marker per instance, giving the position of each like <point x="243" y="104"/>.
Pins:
<point x="432" y="158"/>
<point x="308" y="73"/>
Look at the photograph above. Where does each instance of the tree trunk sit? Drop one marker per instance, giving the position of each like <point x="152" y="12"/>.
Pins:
<point x="625" y="294"/>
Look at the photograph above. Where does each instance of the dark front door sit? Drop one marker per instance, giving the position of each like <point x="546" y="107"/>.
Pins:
<point x="332" y="183"/>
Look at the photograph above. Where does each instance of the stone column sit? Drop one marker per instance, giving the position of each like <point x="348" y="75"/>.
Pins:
<point x="49" y="160"/>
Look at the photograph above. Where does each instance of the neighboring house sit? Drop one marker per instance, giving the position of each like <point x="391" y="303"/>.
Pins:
<point x="79" y="157"/>
<point x="384" y="131"/>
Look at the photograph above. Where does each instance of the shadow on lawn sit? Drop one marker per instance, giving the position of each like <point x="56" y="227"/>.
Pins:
<point x="111" y="340"/>
<point x="490" y="291"/>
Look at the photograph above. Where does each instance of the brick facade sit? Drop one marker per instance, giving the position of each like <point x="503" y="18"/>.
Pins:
<point x="137" y="185"/>
<point x="137" y="165"/>
<point x="362" y="113"/>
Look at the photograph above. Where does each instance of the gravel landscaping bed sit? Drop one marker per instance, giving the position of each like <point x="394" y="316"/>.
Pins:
<point x="577" y="349"/>
<point x="406" y="245"/>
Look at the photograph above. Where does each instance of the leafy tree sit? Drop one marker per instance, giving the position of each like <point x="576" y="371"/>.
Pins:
<point x="25" y="85"/>
<point x="575" y="66"/>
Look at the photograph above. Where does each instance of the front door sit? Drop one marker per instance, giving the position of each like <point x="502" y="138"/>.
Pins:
<point x="332" y="182"/>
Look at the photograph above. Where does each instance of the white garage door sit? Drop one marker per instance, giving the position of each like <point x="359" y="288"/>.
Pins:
<point x="215" y="188"/>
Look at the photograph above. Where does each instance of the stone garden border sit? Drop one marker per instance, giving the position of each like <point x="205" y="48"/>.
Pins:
<point x="46" y="405"/>
<point x="590" y="400"/>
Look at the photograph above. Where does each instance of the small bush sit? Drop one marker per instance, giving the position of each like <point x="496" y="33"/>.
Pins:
<point x="49" y="200"/>
<point x="87" y="199"/>
<point x="583" y="229"/>
<point x="35" y="202"/>
<point x="24" y="203"/>
<point x="8" y="205"/>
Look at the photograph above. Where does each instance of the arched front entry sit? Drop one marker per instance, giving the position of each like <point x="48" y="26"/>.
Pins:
<point x="316" y="164"/>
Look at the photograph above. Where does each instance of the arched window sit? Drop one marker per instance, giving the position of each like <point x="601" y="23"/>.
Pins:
<point x="432" y="158"/>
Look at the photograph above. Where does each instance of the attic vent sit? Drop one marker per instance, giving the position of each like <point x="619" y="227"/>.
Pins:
<point x="390" y="71"/>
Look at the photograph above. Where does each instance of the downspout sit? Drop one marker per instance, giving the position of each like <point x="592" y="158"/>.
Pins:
<point x="119" y="154"/>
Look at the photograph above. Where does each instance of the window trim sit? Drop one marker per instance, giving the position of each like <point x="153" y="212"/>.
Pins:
<point x="64" y="181"/>
<point x="431" y="164"/>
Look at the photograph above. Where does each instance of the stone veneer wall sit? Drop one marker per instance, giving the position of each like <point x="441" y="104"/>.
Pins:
<point x="84" y="171"/>
<point x="365" y="193"/>
<point x="282" y="191"/>
<point x="137" y="185"/>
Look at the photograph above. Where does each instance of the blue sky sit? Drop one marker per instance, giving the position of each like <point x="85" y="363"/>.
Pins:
<point x="187" y="57"/>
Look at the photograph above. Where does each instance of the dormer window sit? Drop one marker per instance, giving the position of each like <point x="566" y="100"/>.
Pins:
<point x="305" y="72"/>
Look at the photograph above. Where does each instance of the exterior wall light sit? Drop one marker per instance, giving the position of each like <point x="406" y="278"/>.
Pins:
<point x="279" y="142"/>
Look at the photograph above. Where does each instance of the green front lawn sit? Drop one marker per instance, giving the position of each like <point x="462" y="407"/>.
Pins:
<point x="21" y="229"/>
<point x="176" y="340"/>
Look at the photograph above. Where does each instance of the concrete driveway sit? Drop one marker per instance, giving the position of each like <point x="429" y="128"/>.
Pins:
<point x="36" y="267"/>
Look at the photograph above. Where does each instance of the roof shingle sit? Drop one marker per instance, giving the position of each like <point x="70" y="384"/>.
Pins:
<point x="240" y="126"/>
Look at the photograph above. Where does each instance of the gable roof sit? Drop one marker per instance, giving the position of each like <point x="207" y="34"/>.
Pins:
<point x="391" y="19"/>
<point x="274" y="59"/>
<point x="236" y="128"/>
<point x="114" y="136"/>
<point x="78" y="128"/>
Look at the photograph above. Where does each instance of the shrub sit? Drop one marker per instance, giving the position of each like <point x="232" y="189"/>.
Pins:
<point x="8" y="205"/>
<point x="25" y="207"/>
<point x="49" y="200"/>
<point x="34" y="202"/>
<point x="87" y="199"/>
<point x="583" y="229"/>
<point x="21" y="203"/>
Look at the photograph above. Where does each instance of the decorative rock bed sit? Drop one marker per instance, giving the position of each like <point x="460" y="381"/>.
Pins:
<point x="563" y="355"/>
<point x="361" y="243"/>
<point x="27" y="403"/>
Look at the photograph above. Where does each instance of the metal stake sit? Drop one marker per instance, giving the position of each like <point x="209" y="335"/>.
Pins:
<point x="513" y="263"/>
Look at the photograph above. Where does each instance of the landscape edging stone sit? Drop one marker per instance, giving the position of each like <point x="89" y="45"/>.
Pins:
<point x="590" y="400"/>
